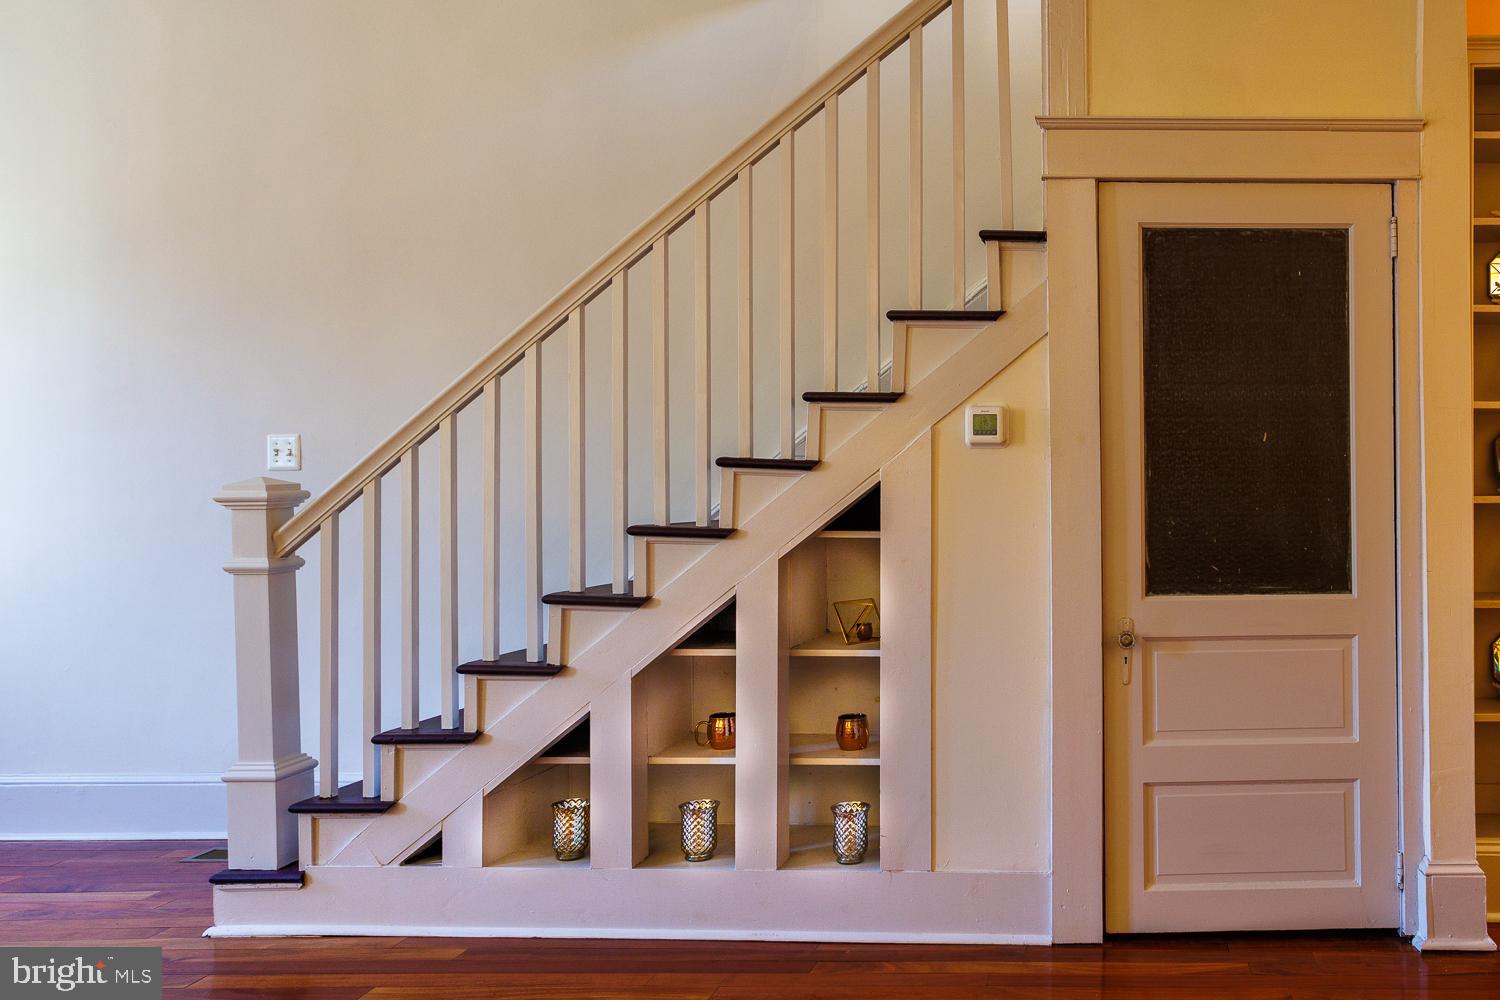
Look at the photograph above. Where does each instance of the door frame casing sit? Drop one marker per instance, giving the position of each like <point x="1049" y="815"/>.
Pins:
<point x="1079" y="154"/>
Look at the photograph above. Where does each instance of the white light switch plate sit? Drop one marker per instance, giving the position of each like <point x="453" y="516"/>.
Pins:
<point x="283" y="452"/>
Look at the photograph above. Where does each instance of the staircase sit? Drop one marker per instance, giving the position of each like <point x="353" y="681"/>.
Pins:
<point x="413" y="846"/>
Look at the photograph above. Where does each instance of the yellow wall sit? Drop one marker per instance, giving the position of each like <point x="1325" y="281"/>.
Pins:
<point x="990" y="621"/>
<point x="1271" y="58"/>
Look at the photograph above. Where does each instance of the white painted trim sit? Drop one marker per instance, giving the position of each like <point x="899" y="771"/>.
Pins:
<point x="184" y="806"/>
<point x="806" y="904"/>
<point x="611" y="933"/>
<point x="1212" y="149"/>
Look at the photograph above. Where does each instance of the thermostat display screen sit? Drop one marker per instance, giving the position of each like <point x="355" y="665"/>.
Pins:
<point x="987" y="424"/>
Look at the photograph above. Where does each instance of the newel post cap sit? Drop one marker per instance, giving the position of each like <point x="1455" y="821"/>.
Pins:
<point x="261" y="493"/>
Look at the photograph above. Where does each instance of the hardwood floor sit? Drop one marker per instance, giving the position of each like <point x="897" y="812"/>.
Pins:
<point x="137" y="893"/>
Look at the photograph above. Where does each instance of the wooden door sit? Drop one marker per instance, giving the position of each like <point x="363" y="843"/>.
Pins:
<point x="1249" y="550"/>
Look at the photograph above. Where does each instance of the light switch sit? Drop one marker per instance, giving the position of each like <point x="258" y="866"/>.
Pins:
<point x="283" y="452"/>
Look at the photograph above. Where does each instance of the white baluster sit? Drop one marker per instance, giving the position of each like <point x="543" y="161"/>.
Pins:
<point x="662" y="506"/>
<point x="411" y="606"/>
<point x="328" y="658"/>
<point x="872" y="225"/>
<point x="1002" y="58"/>
<point x="576" y="581"/>
<point x="447" y="436"/>
<point x="914" y="209"/>
<point x="619" y="438"/>
<point x="490" y="638"/>
<point x="701" y="390"/>
<point x="532" y="487"/>
<point x="372" y="512"/>
<point x="746" y="330"/>
<point x="960" y="242"/>
<point x="786" y="387"/>
<point x="831" y="243"/>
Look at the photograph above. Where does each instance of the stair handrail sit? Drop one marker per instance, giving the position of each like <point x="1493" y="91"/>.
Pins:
<point x="581" y="290"/>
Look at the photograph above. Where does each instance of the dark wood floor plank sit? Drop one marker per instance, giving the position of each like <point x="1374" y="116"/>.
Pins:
<point x="141" y="893"/>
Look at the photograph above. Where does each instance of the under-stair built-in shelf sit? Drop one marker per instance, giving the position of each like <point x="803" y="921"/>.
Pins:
<point x="828" y="677"/>
<point x="670" y="698"/>
<point x="517" y="815"/>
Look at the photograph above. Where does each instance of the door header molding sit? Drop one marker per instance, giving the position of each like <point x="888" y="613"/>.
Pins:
<point x="1232" y="149"/>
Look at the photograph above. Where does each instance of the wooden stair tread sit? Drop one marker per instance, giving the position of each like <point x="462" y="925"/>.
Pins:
<point x="429" y="732"/>
<point x="599" y="596"/>
<point x="788" y="464"/>
<point x="512" y="664"/>
<point x="1013" y="235"/>
<point x="289" y="874"/>
<point x="944" y="315"/>
<point x="681" y="529"/>
<point x="851" y="397"/>
<point x="350" y="799"/>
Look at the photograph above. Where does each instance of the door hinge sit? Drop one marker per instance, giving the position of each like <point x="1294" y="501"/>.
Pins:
<point x="1393" y="237"/>
<point x="1400" y="870"/>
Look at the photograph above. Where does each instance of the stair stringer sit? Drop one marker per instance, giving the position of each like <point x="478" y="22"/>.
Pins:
<point x="682" y="605"/>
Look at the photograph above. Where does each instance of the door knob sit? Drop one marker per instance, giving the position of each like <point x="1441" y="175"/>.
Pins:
<point x="1126" y="639"/>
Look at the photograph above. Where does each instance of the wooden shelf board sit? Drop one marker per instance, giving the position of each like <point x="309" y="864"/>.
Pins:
<point x="1487" y="709"/>
<point x="829" y="644"/>
<point x="715" y="647"/>
<point x="1487" y="404"/>
<point x="562" y="758"/>
<point x="1487" y="499"/>
<point x="812" y="847"/>
<point x="1487" y="825"/>
<point x="854" y="534"/>
<point x="538" y="854"/>
<point x="822" y="750"/>
<point x="664" y="848"/>
<point x="1487" y="599"/>
<point x="687" y="751"/>
<point x="1480" y="221"/>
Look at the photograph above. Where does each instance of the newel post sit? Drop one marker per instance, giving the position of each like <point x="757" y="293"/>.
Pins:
<point x="271" y="772"/>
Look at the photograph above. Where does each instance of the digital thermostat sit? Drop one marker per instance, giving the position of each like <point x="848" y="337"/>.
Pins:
<point x="986" y="425"/>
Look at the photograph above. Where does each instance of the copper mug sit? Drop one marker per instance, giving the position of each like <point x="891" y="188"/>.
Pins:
<point x="852" y="731"/>
<point x="718" y="731"/>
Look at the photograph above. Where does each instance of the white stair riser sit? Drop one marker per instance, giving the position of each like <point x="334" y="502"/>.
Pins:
<point x="403" y="768"/>
<point x="570" y="631"/>
<point x="922" y="348"/>
<point x="1013" y="269"/>
<point x="749" y="490"/>
<point x="499" y="695"/>
<point x="327" y="836"/>
<point x="659" y="561"/>
<point x="829" y="426"/>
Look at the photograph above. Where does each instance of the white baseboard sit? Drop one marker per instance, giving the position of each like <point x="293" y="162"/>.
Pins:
<point x="112" y="806"/>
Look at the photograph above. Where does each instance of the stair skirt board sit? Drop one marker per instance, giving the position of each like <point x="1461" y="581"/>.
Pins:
<point x="340" y="899"/>
<point x="788" y="905"/>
